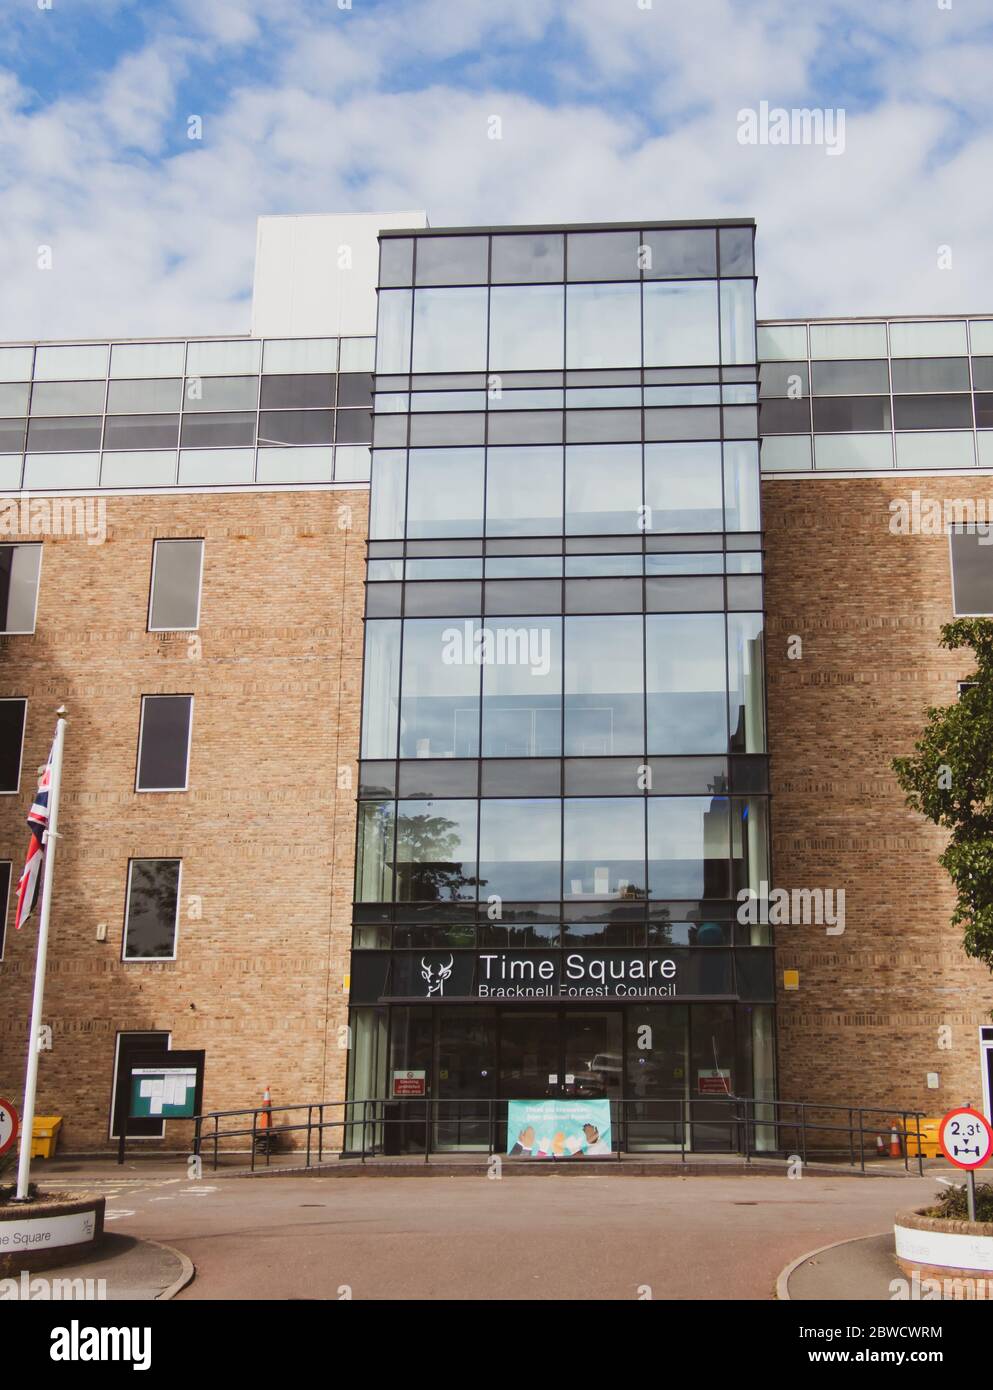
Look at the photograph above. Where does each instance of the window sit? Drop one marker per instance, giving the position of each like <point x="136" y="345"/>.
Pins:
<point x="603" y="848"/>
<point x="603" y="256"/>
<point x="150" y="397"/>
<point x="681" y="324"/>
<point x="604" y="686"/>
<point x="683" y="487"/>
<point x="451" y="260"/>
<point x="67" y="398"/>
<point x="381" y="684"/>
<point x="522" y="693"/>
<point x="55" y="434"/>
<point x="527" y="259"/>
<point x="519" y="850"/>
<point x="524" y="491"/>
<point x="12" y="713"/>
<point x="295" y="426"/>
<point x="152" y="916"/>
<point x="449" y="330"/>
<point x="972" y="570"/>
<point x="141" y="432"/>
<point x="212" y="431"/>
<point x="527" y="328"/>
<point x="680" y="253"/>
<point x="439" y="704"/>
<point x="164" y="743"/>
<point x="445" y="493"/>
<point x="603" y="326"/>
<point x="746" y="682"/>
<point x="297" y="392"/>
<point x="852" y="378"/>
<point x="688" y="847"/>
<point x="5" y="868"/>
<point x="20" y="567"/>
<point x="687" y="679"/>
<point x="174" y="600"/>
<point x="436" y="851"/>
<point x="603" y="489"/>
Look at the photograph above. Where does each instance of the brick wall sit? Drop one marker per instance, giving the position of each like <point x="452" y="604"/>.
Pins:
<point x="265" y="832"/>
<point x="868" y="604"/>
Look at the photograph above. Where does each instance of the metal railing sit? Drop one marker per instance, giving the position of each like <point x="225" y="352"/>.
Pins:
<point x="746" y="1126"/>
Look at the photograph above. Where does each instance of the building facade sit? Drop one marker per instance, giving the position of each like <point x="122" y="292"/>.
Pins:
<point x="455" y="665"/>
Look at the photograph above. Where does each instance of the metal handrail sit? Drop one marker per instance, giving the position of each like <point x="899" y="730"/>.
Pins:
<point x="376" y="1125"/>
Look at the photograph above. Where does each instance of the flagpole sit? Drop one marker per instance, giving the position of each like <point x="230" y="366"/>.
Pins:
<point x="50" y="839"/>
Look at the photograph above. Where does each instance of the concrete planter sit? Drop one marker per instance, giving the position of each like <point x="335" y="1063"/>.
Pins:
<point x="932" y="1246"/>
<point x="51" y="1230"/>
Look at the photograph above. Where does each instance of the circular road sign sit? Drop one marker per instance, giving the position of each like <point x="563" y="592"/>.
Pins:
<point x="965" y="1137"/>
<point x="8" y="1126"/>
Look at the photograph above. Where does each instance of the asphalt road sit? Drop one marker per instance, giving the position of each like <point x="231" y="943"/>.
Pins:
<point x="551" y="1237"/>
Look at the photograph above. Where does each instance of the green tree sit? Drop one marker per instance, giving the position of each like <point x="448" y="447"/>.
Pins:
<point x="950" y="781"/>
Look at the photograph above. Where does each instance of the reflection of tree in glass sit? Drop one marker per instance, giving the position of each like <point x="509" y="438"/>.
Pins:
<point x="660" y="927"/>
<point x="152" y="907"/>
<point x="426" y="846"/>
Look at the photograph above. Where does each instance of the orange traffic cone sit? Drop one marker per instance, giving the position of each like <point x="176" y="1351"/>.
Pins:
<point x="880" y="1147"/>
<point x="265" y="1120"/>
<point x="895" y="1150"/>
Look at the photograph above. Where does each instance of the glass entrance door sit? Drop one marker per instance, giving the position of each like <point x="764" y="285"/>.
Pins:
<point x="593" y="1057"/>
<point x="530" y="1063"/>
<point x="465" y="1079"/>
<point x="657" y="1076"/>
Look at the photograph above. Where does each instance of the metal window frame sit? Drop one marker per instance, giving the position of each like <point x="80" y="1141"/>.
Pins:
<point x="163" y="695"/>
<point x="157" y="859"/>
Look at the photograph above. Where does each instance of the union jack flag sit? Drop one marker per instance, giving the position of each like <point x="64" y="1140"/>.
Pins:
<point x="30" y="882"/>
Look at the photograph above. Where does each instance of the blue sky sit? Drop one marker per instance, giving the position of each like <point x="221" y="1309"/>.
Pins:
<point x="608" y="109"/>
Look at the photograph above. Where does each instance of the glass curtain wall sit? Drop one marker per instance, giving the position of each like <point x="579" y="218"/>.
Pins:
<point x="563" y="727"/>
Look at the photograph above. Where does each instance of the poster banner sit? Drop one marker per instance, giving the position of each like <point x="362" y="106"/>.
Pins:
<point x="558" y="1128"/>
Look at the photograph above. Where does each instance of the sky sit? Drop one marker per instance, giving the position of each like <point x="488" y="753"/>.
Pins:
<point x="491" y="112"/>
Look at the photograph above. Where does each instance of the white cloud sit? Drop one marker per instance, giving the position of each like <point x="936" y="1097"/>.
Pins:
<point x="354" y="110"/>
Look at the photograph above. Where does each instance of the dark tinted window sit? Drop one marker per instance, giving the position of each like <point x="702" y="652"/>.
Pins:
<point x="982" y="373"/>
<point x="355" y="388"/>
<point x="12" y="436"/>
<point x="355" y="427"/>
<point x="164" y="742"/>
<point x="141" y="432"/>
<point x="11" y="737"/>
<point x="297" y="392"/>
<point x="63" y="433"/>
<point x="153" y="900"/>
<point x="295" y="427"/>
<point x="844" y="413"/>
<point x="784" y="417"/>
<point x="932" y="412"/>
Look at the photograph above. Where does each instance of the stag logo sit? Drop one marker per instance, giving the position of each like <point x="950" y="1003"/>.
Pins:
<point x="437" y="975"/>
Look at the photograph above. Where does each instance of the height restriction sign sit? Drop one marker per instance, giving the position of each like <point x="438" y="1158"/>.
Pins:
<point x="965" y="1137"/>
